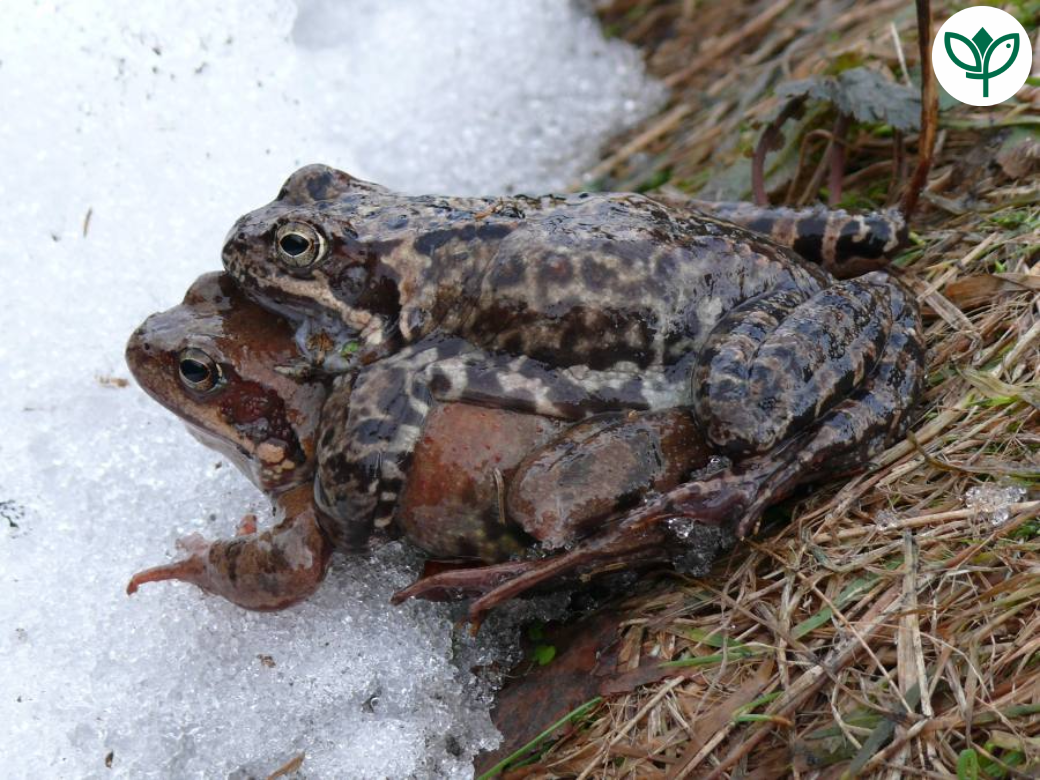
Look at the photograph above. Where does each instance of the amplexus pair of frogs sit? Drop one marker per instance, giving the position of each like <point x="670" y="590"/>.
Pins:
<point x="532" y="388"/>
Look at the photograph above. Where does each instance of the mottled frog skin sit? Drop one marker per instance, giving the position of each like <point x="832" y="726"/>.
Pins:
<point x="234" y="374"/>
<point x="568" y="306"/>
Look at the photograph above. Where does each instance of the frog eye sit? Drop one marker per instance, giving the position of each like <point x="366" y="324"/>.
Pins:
<point x="198" y="371"/>
<point x="299" y="245"/>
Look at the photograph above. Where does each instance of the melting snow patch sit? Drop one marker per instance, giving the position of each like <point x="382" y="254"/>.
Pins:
<point x="133" y="135"/>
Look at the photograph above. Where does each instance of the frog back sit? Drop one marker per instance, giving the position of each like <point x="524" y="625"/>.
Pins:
<point x="600" y="280"/>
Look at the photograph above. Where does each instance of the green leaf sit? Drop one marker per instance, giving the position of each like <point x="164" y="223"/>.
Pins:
<point x="1013" y="40"/>
<point x="714" y="658"/>
<point x="745" y="714"/>
<point x="864" y="94"/>
<point x="713" y="638"/>
<point x="823" y="617"/>
<point x="952" y="36"/>
<point x="968" y="765"/>
<point x="544" y="654"/>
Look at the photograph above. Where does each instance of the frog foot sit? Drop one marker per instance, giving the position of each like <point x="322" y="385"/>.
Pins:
<point x="246" y="526"/>
<point x="458" y="583"/>
<point x="627" y="545"/>
<point x="687" y="527"/>
<point x="262" y="571"/>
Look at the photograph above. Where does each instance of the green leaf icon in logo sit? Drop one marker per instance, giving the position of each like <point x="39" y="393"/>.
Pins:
<point x="982" y="47"/>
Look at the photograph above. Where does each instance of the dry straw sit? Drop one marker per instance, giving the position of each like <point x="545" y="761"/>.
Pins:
<point x="892" y="628"/>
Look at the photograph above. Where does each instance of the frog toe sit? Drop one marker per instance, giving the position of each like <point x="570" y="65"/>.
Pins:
<point x="462" y="583"/>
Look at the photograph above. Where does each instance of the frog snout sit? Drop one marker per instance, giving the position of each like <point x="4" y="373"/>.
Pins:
<point x="138" y="349"/>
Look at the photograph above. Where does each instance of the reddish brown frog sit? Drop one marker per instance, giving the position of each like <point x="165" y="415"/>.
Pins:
<point x="484" y="484"/>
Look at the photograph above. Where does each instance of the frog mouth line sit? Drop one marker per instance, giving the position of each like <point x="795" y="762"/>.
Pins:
<point x="240" y="456"/>
<point x="200" y="430"/>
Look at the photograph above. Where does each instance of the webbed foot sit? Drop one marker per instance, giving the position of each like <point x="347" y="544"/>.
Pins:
<point x="263" y="571"/>
<point x="459" y="583"/>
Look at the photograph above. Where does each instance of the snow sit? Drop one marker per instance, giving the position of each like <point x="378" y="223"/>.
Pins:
<point x="132" y="135"/>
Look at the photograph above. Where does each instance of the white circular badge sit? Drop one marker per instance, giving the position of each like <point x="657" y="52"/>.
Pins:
<point x="982" y="56"/>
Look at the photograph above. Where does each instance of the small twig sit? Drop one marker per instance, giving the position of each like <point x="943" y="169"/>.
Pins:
<point x="288" y="767"/>
<point x="817" y="176"/>
<point x="898" y="163"/>
<point x="921" y="521"/>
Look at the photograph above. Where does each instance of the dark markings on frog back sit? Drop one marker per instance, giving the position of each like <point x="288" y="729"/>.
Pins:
<point x="871" y="246"/>
<point x="809" y="243"/>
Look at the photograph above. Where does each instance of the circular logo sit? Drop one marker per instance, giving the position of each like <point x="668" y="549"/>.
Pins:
<point x="982" y="56"/>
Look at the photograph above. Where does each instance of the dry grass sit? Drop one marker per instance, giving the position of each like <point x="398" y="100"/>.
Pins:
<point x="891" y="628"/>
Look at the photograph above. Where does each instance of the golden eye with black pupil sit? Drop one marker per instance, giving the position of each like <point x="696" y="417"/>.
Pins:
<point x="198" y="371"/>
<point x="298" y="245"/>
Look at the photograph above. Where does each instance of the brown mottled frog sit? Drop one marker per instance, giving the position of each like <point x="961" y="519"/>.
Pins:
<point x="217" y="362"/>
<point x="232" y="371"/>
<point x="569" y="306"/>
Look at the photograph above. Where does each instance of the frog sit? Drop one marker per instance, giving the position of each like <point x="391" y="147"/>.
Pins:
<point x="225" y="367"/>
<point x="235" y="374"/>
<point x="570" y="306"/>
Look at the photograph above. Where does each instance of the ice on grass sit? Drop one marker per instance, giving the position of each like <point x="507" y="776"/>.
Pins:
<point x="992" y="502"/>
<point x="133" y="134"/>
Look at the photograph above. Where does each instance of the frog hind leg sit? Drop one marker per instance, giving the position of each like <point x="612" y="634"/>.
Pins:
<point x="265" y="571"/>
<point x="843" y="441"/>
<point x="776" y="364"/>
<point x="462" y="582"/>
<point x="690" y="524"/>
<point x="844" y="244"/>
<point x="634" y="544"/>
<point x="370" y="425"/>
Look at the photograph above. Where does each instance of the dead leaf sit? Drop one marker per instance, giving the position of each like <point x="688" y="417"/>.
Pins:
<point x="113" y="381"/>
<point x="1019" y="155"/>
<point x="972" y="291"/>
<point x="537" y="696"/>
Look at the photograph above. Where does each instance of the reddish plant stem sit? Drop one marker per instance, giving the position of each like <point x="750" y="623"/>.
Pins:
<point x="929" y="111"/>
<point x="770" y="139"/>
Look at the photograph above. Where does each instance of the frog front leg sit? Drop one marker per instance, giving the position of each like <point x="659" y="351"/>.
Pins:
<point x="266" y="570"/>
<point x="370" y="425"/>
